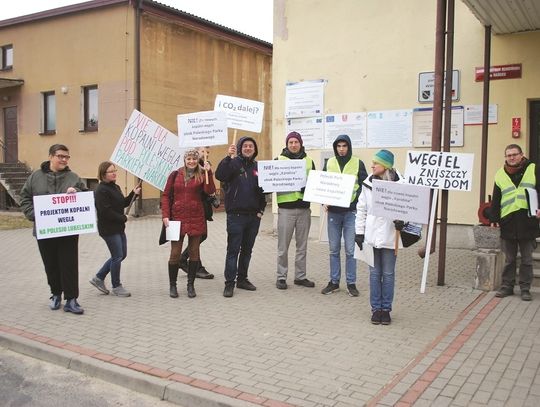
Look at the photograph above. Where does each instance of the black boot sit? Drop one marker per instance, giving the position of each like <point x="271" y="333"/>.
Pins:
<point x="184" y="261"/>
<point x="203" y="273"/>
<point x="193" y="266"/>
<point x="173" y="275"/>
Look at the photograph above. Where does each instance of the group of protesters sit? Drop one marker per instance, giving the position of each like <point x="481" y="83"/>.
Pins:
<point x="190" y="191"/>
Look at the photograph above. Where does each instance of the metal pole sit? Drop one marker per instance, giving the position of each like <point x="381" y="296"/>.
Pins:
<point x="485" y="112"/>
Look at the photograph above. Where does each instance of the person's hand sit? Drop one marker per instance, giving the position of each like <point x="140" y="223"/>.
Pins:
<point x="538" y="214"/>
<point x="71" y="190"/>
<point x="137" y="190"/>
<point x="232" y="151"/>
<point x="207" y="166"/>
<point x="399" y="224"/>
<point x="359" y="239"/>
<point x="259" y="215"/>
<point x="325" y="207"/>
<point x="166" y="222"/>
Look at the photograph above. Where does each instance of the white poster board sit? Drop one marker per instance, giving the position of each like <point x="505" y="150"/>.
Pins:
<point x="351" y="124"/>
<point x="202" y="129"/>
<point x="310" y="128"/>
<point x="242" y="114"/>
<point x="329" y="188"/>
<point x="439" y="170"/>
<point x="282" y="175"/>
<point x="390" y="128"/>
<point x="473" y="114"/>
<point x="64" y="214"/>
<point x="147" y="150"/>
<point x="423" y="126"/>
<point x="395" y="200"/>
<point x="304" y="99"/>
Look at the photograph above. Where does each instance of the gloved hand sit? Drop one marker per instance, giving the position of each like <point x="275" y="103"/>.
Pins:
<point x="399" y="224"/>
<point x="359" y="239"/>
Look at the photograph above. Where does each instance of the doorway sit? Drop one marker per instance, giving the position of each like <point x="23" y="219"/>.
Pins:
<point x="534" y="132"/>
<point x="11" y="142"/>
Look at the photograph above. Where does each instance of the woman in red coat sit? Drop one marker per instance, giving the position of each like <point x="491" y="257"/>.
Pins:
<point x="187" y="184"/>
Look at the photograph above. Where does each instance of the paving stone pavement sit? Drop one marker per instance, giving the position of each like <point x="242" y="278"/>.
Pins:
<point x="449" y="346"/>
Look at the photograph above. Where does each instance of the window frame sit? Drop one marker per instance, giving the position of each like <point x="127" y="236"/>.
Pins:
<point x="44" y="113"/>
<point x="87" y="126"/>
<point x="3" y="58"/>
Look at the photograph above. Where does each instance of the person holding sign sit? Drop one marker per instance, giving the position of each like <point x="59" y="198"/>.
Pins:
<point x="60" y="255"/>
<point x="244" y="204"/>
<point x="185" y="186"/>
<point x="294" y="216"/>
<point x="510" y="208"/>
<point x="110" y="204"/>
<point x="341" y="220"/>
<point x="379" y="233"/>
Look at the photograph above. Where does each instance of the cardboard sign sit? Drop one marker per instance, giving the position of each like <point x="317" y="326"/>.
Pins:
<point x="394" y="200"/>
<point x="329" y="188"/>
<point x="282" y="175"/>
<point x="242" y="114"/>
<point x="202" y="129"/>
<point x="64" y="214"/>
<point x="147" y="150"/>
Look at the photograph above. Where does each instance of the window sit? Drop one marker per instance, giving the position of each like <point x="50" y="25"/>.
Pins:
<point x="90" y="107"/>
<point x="6" y="61"/>
<point x="49" y="113"/>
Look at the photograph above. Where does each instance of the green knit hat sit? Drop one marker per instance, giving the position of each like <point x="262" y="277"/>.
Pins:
<point x="385" y="158"/>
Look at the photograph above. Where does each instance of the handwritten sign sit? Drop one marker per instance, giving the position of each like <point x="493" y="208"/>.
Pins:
<point x="329" y="188"/>
<point x="64" y="214"/>
<point x="440" y="170"/>
<point x="242" y="114"/>
<point x="394" y="200"/>
<point x="282" y="175"/>
<point x="202" y="129"/>
<point x="147" y="150"/>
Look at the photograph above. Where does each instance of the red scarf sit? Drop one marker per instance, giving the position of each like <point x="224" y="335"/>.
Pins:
<point x="515" y="169"/>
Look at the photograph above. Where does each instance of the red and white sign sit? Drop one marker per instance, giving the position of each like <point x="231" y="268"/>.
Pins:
<point x="516" y="124"/>
<point x="511" y="71"/>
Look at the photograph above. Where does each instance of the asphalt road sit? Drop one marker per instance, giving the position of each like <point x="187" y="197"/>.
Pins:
<point x="25" y="381"/>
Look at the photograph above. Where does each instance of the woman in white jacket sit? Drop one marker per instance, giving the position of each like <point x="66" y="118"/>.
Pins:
<point x="380" y="234"/>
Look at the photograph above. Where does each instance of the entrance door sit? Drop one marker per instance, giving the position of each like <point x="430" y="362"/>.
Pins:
<point x="534" y="126"/>
<point x="11" y="150"/>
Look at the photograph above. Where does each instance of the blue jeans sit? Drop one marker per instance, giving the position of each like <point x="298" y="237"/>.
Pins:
<point x="382" y="279"/>
<point x="342" y="223"/>
<point x="117" y="245"/>
<point x="242" y="230"/>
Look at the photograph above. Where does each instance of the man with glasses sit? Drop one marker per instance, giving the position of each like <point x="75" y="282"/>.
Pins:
<point x="510" y="209"/>
<point x="60" y="255"/>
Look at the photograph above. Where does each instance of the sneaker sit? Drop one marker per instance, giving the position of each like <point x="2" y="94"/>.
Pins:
<point x="99" y="284"/>
<point x="385" y="318"/>
<point x="526" y="295"/>
<point x="281" y="284"/>
<point x="73" y="306"/>
<point x="56" y="301"/>
<point x="304" y="283"/>
<point x="351" y="289"/>
<point x="504" y="292"/>
<point x="330" y="288"/>
<point x="204" y="274"/>
<point x="245" y="285"/>
<point x="376" y="317"/>
<point x="229" y="290"/>
<point x="120" y="291"/>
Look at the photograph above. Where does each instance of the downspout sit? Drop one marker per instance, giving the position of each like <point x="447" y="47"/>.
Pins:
<point x="138" y="3"/>
<point x="485" y="112"/>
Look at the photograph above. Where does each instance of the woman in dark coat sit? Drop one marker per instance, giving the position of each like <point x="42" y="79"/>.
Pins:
<point x="187" y="184"/>
<point x="110" y="204"/>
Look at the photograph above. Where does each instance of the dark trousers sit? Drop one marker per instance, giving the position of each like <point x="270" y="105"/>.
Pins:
<point x="510" y="249"/>
<point x="242" y="231"/>
<point x="60" y="257"/>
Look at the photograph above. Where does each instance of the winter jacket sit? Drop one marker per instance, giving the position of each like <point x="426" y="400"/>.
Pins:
<point x="187" y="205"/>
<point x="240" y="180"/>
<point x="47" y="182"/>
<point x="378" y="232"/>
<point x="518" y="224"/>
<point x="110" y="204"/>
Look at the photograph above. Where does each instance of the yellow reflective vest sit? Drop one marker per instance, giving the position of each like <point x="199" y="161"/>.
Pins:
<point x="293" y="196"/>
<point x="352" y="167"/>
<point x="513" y="198"/>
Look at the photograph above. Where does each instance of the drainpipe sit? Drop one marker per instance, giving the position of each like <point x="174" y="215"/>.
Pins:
<point x="138" y="8"/>
<point x="485" y="112"/>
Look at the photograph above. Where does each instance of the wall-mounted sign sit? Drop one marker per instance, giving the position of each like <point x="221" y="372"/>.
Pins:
<point x="511" y="71"/>
<point x="426" y="86"/>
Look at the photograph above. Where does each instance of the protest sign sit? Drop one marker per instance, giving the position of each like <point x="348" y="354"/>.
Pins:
<point x="242" y="114"/>
<point x="202" y="129"/>
<point x="329" y="188"/>
<point x="282" y="175"/>
<point x="394" y="200"/>
<point x="64" y="214"/>
<point x="440" y="170"/>
<point x="147" y="150"/>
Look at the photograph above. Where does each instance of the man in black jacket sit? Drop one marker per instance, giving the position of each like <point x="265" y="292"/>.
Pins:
<point x="510" y="209"/>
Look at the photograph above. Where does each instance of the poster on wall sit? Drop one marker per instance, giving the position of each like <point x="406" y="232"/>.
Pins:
<point x="304" y="99"/>
<point x="473" y="114"/>
<point x="310" y="128"/>
<point x="351" y="124"/>
<point x="423" y="126"/>
<point x="389" y="128"/>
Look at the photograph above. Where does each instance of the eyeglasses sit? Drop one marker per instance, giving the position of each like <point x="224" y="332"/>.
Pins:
<point x="513" y="155"/>
<point x="63" y="157"/>
<point x="111" y="172"/>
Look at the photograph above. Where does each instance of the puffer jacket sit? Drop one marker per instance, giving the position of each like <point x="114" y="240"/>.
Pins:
<point x="187" y="205"/>
<point x="378" y="232"/>
<point x="47" y="182"/>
